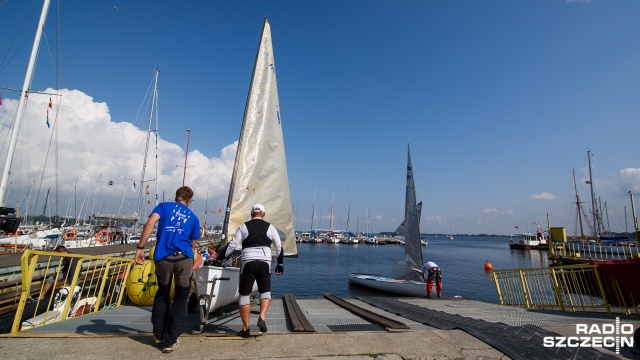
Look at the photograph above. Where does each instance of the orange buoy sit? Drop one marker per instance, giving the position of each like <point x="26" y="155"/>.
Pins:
<point x="488" y="267"/>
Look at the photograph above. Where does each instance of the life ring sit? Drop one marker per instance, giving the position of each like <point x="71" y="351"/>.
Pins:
<point x="103" y="235"/>
<point x="521" y="241"/>
<point x="69" y="235"/>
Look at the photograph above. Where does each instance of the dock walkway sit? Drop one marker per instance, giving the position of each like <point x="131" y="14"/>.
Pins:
<point x="435" y="329"/>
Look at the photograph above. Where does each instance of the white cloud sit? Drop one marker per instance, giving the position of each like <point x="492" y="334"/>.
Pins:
<point x="93" y="150"/>
<point x="508" y="212"/>
<point x="542" y="196"/>
<point x="436" y="219"/>
<point x="379" y="217"/>
<point x="630" y="180"/>
<point x="490" y="211"/>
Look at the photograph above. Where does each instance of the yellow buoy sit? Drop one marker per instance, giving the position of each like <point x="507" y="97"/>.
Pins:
<point x="142" y="284"/>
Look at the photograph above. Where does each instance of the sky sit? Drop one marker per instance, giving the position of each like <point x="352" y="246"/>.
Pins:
<point x="499" y="101"/>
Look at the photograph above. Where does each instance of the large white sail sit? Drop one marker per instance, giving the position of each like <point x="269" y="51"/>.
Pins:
<point x="413" y="248"/>
<point x="260" y="169"/>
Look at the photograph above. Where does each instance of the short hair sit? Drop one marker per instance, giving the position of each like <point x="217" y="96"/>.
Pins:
<point x="184" y="193"/>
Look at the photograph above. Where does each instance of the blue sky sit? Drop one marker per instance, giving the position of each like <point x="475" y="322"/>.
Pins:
<point x="499" y="100"/>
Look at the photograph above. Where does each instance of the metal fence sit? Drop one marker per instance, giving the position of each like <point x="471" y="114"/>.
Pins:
<point x="72" y="285"/>
<point x="574" y="288"/>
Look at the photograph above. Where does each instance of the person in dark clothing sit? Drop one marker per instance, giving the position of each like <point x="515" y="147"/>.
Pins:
<point x="178" y="230"/>
<point x="255" y="238"/>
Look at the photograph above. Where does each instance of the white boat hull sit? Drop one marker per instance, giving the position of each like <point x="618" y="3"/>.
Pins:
<point x="400" y="287"/>
<point x="223" y="291"/>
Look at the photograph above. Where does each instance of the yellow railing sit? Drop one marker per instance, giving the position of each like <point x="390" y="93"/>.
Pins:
<point x="574" y="288"/>
<point x="599" y="251"/>
<point x="73" y="285"/>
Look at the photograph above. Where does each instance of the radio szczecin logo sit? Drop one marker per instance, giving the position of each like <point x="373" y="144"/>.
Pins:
<point x="595" y="335"/>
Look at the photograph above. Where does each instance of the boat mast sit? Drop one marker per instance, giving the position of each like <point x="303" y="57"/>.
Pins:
<point x="593" y="200"/>
<point x="22" y="103"/>
<point x="227" y="210"/>
<point x="186" y="156"/>
<point x="331" y="216"/>
<point x="349" y="213"/>
<point x="154" y="104"/>
<point x="313" y="210"/>
<point x="46" y="199"/>
<point x="635" y="219"/>
<point x="578" y="205"/>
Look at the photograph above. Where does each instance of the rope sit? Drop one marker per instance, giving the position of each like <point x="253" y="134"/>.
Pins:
<point x="405" y="275"/>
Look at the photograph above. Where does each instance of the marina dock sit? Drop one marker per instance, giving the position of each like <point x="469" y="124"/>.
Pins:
<point x="449" y="328"/>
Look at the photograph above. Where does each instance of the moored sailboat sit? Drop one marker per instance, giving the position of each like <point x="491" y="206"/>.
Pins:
<point x="413" y="248"/>
<point x="259" y="176"/>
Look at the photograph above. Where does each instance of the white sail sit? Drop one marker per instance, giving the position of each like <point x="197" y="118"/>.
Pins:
<point x="413" y="248"/>
<point x="260" y="169"/>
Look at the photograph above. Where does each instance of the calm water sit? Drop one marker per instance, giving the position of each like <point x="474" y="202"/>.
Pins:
<point x="323" y="268"/>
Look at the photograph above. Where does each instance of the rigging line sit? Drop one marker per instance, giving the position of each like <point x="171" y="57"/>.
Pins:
<point x="15" y="37"/>
<point x="8" y="124"/>
<point x="46" y="158"/>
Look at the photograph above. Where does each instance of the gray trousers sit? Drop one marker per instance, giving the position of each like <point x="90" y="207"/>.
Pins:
<point x="168" y="317"/>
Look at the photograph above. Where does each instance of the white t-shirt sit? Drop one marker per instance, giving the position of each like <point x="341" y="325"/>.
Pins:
<point x="428" y="265"/>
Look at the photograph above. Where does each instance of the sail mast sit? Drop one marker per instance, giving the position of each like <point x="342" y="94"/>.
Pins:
<point x="578" y="205"/>
<point x="154" y="104"/>
<point x="260" y="167"/>
<point x="186" y="156"/>
<point x="22" y="103"/>
<point x="593" y="201"/>
<point x="413" y="249"/>
<point x="225" y="224"/>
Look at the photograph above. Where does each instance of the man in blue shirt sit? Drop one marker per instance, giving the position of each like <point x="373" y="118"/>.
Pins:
<point x="178" y="230"/>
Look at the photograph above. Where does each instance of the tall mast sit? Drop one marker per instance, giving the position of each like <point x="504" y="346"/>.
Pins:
<point x="578" y="205"/>
<point x="331" y="215"/>
<point x="186" y="156"/>
<point x="349" y="213"/>
<point x="22" y="103"/>
<point x="313" y="210"/>
<point x="593" y="201"/>
<point x="154" y="104"/>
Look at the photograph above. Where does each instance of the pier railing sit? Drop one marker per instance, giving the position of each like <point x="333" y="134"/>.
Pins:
<point x="73" y="285"/>
<point x="573" y="288"/>
<point x="585" y="250"/>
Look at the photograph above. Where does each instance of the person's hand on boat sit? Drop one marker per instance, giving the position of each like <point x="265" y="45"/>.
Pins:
<point x="279" y="269"/>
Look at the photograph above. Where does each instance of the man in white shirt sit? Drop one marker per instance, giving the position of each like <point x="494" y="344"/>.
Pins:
<point x="431" y="272"/>
<point x="255" y="238"/>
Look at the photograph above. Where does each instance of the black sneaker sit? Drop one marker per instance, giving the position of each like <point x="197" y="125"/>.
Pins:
<point x="262" y="325"/>
<point x="439" y="295"/>
<point x="244" y="333"/>
<point x="428" y="296"/>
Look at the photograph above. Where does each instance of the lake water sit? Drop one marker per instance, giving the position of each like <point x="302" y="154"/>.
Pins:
<point x="323" y="268"/>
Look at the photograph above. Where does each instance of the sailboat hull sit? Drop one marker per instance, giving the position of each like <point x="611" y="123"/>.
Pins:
<point x="400" y="287"/>
<point x="218" y="285"/>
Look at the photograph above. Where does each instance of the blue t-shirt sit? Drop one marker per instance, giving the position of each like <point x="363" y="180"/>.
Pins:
<point x="177" y="227"/>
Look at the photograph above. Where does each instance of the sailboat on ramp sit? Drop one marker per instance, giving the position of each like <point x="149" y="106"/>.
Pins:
<point x="259" y="176"/>
<point x="412" y="248"/>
